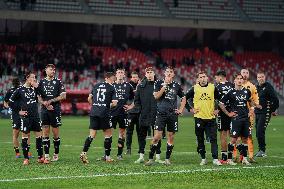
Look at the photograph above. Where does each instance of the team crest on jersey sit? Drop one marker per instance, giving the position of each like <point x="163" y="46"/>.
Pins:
<point x="124" y="85"/>
<point x="245" y="91"/>
<point x="54" y="82"/>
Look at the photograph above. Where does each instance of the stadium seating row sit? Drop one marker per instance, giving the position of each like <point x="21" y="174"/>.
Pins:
<point x="208" y="60"/>
<point x="257" y="11"/>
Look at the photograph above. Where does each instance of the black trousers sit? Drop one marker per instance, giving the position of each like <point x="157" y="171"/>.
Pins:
<point x="142" y="134"/>
<point x="201" y="125"/>
<point x="134" y="120"/>
<point x="262" y="121"/>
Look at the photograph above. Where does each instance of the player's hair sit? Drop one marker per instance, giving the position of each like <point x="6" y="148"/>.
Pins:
<point x="221" y="73"/>
<point x="50" y="66"/>
<point x="134" y="73"/>
<point x="109" y="74"/>
<point x="245" y="69"/>
<point x="149" y="69"/>
<point x="120" y="69"/>
<point x="236" y="75"/>
<point x="200" y="72"/>
<point x="261" y="72"/>
<point x="169" y="67"/>
<point x="16" y="82"/>
<point x="27" y="75"/>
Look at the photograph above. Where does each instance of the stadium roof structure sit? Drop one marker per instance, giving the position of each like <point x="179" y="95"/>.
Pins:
<point x="209" y="14"/>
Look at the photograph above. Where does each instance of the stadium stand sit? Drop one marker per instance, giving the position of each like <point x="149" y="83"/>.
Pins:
<point x="263" y="11"/>
<point x="80" y="77"/>
<point x="223" y="10"/>
<point x="147" y="8"/>
<point x="271" y="63"/>
<point x="203" y="9"/>
<point x="66" y="6"/>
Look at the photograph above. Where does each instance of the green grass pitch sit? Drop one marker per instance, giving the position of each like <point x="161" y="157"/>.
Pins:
<point x="185" y="172"/>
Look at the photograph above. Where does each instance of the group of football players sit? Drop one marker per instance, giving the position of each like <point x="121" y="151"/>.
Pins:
<point x="233" y="108"/>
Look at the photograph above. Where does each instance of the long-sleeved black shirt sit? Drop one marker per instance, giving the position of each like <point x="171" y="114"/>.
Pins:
<point x="267" y="99"/>
<point x="145" y="101"/>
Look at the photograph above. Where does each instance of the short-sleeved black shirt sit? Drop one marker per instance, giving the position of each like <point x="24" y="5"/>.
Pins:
<point x="49" y="89"/>
<point x="16" y="108"/>
<point x="125" y="93"/>
<point x="102" y="95"/>
<point x="167" y="103"/>
<point x="26" y="97"/>
<point x="223" y="88"/>
<point x="238" y="100"/>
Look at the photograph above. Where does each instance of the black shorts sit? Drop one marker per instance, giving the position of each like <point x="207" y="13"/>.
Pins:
<point x="16" y="122"/>
<point x="223" y="122"/>
<point x="240" y="127"/>
<point x="100" y="123"/>
<point x="205" y="125"/>
<point x="166" y="120"/>
<point x="52" y="118"/>
<point x="121" y="120"/>
<point x="29" y="124"/>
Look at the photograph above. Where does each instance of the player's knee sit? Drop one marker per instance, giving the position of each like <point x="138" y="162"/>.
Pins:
<point x="156" y="138"/>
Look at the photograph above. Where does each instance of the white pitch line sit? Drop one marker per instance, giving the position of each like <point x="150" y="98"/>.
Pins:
<point x="139" y="173"/>
<point x="280" y="157"/>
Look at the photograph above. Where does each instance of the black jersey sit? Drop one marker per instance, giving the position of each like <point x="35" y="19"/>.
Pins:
<point x="223" y="88"/>
<point x="16" y="108"/>
<point x="49" y="89"/>
<point x="102" y="96"/>
<point x="133" y="84"/>
<point x="167" y="103"/>
<point x="26" y="98"/>
<point x="238" y="100"/>
<point x="267" y="99"/>
<point x="125" y="93"/>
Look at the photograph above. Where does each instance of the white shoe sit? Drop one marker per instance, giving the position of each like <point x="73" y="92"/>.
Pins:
<point x="230" y="162"/>
<point x="119" y="158"/>
<point x="140" y="160"/>
<point x="203" y="162"/>
<point x="167" y="162"/>
<point x="55" y="157"/>
<point x="245" y="161"/>
<point x="216" y="162"/>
